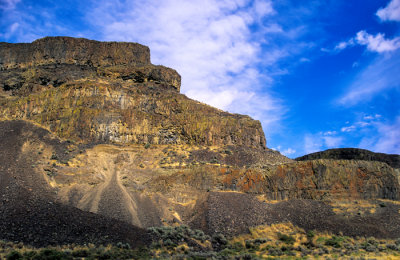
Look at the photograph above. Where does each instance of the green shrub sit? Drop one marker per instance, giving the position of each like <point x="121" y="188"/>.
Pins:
<point x="286" y="238"/>
<point x="219" y="242"/>
<point x="30" y="254"/>
<point x="51" y="254"/>
<point x="334" y="241"/>
<point x="273" y="251"/>
<point x="80" y="253"/>
<point x="237" y="246"/>
<point x="13" y="255"/>
<point x="310" y="234"/>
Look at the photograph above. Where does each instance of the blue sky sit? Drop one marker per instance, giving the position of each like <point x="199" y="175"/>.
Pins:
<point x="317" y="74"/>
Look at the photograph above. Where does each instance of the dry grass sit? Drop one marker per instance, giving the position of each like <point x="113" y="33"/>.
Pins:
<point x="354" y="207"/>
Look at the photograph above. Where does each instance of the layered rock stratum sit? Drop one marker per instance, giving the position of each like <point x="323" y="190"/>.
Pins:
<point x="97" y="92"/>
<point x="92" y="132"/>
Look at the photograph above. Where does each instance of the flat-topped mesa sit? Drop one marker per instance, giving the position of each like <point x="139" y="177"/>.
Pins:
<point x="75" y="58"/>
<point x="108" y="92"/>
<point x="68" y="50"/>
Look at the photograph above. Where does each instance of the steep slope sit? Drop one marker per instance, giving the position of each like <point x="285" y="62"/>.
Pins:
<point x="28" y="209"/>
<point x="92" y="92"/>
<point x="93" y="132"/>
<point x="232" y="213"/>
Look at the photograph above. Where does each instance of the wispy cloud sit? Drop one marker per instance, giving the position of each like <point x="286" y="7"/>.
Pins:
<point x="384" y="137"/>
<point x="288" y="152"/>
<point x="391" y="12"/>
<point x="381" y="75"/>
<point x="389" y="138"/>
<point x="320" y="141"/>
<point x="374" y="43"/>
<point x="364" y="121"/>
<point x="377" y="43"/>
<point x="217" y="47"/>
<point x="8" y="4"/>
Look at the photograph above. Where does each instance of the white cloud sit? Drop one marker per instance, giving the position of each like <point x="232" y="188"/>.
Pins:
<point x="343" y="45"/>
<point x="377" y="43"/>
<point x="209" y="43"/>
<point x="363" y="122"/>
<point x="324" y="140"/>
<point x="383" y="137"/>
<point x="304" y="60"/>
<point x="329" y="133"/>
<point x="348" y="128"/>
<point x="391" y="12"/>
<point x="332" y="142"/>
<point x="312" y="144"/>
<point x="389" y="138"/>
<point x="288" y="151"/>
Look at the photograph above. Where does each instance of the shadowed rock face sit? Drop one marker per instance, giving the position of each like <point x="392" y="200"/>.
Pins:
<point x="354" y="154"/>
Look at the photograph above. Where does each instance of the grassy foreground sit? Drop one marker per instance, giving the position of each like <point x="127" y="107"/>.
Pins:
<point x="279" y="241"/>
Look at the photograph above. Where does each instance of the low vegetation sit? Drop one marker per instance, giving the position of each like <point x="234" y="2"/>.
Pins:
<point x="279" y="241"/>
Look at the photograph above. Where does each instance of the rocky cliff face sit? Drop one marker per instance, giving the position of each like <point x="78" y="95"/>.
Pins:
<point x="392" y="160"/>
<point x="96" y="92"/>
<point x="76" y="51"/>
<point x="93" y="131"/>
<point x="53" y="61"/>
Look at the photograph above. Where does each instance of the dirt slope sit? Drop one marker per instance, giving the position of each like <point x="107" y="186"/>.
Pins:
<point x="232" y="213"/>
<point x="28" y="211"/>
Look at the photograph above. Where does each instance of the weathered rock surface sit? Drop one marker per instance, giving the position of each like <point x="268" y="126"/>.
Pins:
<point x="52" y="61"/>
<point x="93" y="132"/>
<point x="317" y="179"/>
<point x="334" y="179"/>
<point x="392" y="160"/>
<point x="231" y="213"/>
<point x="113" y="98"/>
<point x="68" y="50"/>
<point x="98" y="112"/>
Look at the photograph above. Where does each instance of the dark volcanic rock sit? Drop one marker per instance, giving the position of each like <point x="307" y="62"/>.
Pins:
<point x="319" y="179"/>
<point x="232" y="213"/>
<point x="68" y="50"/>
<point x="53" y="61"/>
<point x="353" y="154"/>
<point x="108" y="92"/>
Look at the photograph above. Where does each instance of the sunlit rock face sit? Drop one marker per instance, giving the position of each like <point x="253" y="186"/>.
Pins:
<point x="92" y="131"/>
<point x="98" y="92"/>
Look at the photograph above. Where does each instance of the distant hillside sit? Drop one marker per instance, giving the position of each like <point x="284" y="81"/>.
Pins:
<point x="353" y="154"/>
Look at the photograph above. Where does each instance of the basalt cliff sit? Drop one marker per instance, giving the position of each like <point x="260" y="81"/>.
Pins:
<point x="98" y="144"/>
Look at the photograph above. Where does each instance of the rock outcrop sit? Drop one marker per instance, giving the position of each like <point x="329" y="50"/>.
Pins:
<point x="53" y="61"/>
<point x="392" y="160"/>
<point x="109" y="92"/>
<point x="93" y="132"/>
